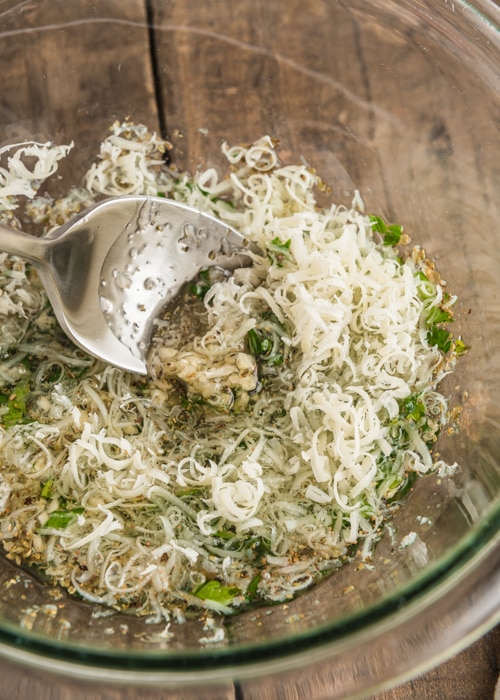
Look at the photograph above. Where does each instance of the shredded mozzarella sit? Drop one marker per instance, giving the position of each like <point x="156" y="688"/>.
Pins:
<point x="19" y="179"/>
<point x="269" y="438"/>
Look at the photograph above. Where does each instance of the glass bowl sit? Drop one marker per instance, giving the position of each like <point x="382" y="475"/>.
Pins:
<point x="397" y="99"/>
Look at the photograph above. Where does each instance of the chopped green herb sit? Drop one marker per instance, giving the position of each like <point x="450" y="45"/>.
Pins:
<point x="188" y="492"/>
<point x="254" y="342"/>
<point x="265" y="343"/>
<point x="201" y="285"/>
<point x="218" y="593"/>
<point x="47" y="489"/>
<point x="437" y="315"/>
<point x="402" y="486"/>
<point x="460" y="347"/>
<point x="61" y="519"/>
<point x="15" y="404"/>
<point x="412" y="408"/>
<point x="224" y="534"/>
<point x="191" y="402"/>
<point x="440" y="337"/>
<point x="266" y="346"/>
<point x="251" y="590"/>
<point x="261" y="547"/>
<point x="391" y="233"/>
<point x="278" y="251"/>
<point x="198" y="290"/>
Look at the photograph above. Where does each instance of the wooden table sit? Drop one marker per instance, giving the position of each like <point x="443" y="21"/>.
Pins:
<point x="80" y="95"/>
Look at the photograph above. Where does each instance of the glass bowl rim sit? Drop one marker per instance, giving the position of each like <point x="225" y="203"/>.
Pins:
<point x="411" y="600"/>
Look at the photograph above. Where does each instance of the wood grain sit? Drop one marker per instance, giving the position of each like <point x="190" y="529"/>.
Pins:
<point x="56" y="61"/>
<point x="225" y="77"/>
<point x="471" y="675"/>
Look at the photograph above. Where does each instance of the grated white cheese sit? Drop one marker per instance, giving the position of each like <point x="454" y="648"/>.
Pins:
<point x="265" y="443"/>
<point x="19" y="179"/>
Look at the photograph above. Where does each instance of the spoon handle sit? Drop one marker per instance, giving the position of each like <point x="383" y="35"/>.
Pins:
<point x="19" y="243"/>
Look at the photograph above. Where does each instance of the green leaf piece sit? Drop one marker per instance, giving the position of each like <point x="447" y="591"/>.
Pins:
<point x="224" y="534"/>
<point x="391" y="233"/>
<point x="412" y="408"/>
<point x="251" y="591"/>
<point x="16" y="404"/>
<point x="438" y="315"/>
<point x="254" y="342"/>
<point x="61" y="519"/>
<point x="440" y="337"/>
<point x="279" y="251"/>
<point x="47" y="489"/>
<point x="218" y="593"/>
<point x="460" y="347"/>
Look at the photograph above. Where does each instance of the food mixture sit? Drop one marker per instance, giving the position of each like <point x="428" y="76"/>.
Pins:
<point x="287" y="409"/>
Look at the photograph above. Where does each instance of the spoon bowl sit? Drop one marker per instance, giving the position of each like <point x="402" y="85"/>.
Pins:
<point x="110" y="271"/>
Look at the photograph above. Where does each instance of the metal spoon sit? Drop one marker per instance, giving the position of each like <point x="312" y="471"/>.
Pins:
<point x="109" y="271"/>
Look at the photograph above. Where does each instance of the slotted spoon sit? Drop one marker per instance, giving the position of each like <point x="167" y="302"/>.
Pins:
<point x="109" y="271"/>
